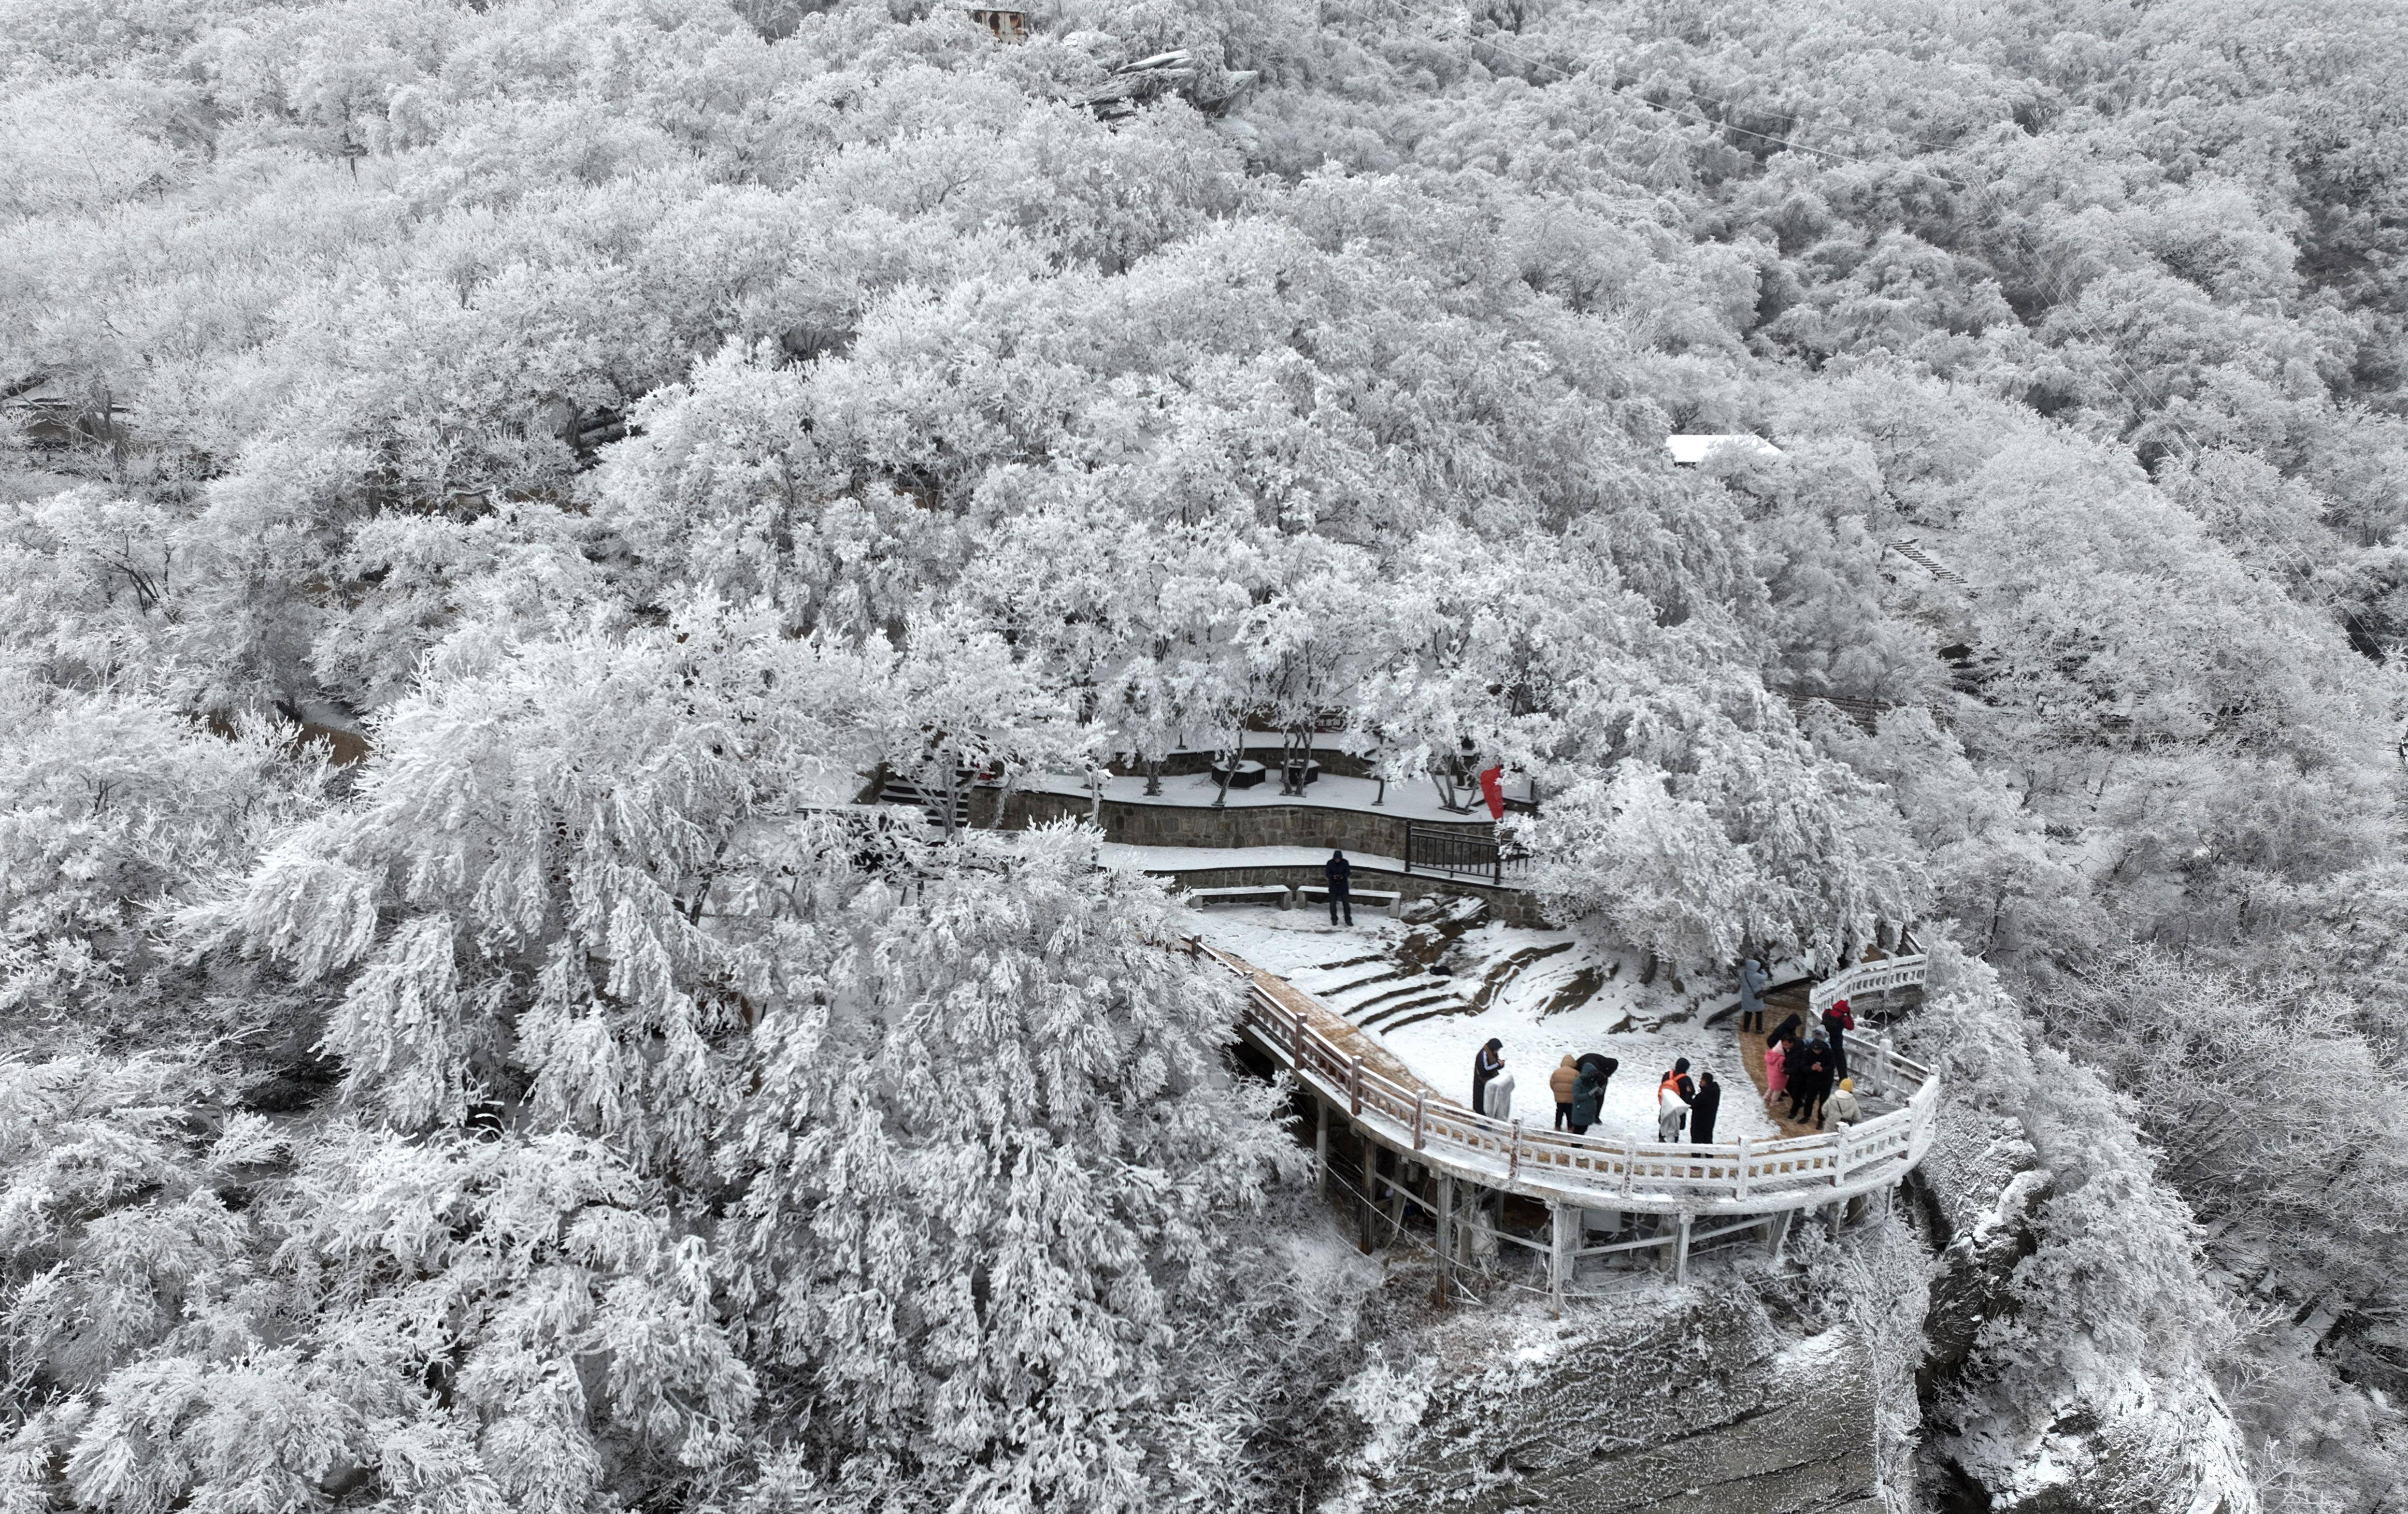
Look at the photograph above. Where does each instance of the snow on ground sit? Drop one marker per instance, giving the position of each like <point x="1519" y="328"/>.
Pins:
<point x="1546" y="994"/>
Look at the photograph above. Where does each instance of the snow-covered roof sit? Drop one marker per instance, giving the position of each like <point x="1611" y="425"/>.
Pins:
<point x="1693" y="448"/>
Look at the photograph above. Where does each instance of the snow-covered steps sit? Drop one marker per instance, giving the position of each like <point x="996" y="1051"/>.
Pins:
<point x="1419" y="984"/>
<point x="932" y="802"/>
<point x="1419" y="1007"/>
<point x="1502" y="974"/>
<point x="1339" y="988"/>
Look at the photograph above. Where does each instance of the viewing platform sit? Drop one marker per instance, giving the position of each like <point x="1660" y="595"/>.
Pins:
<point x="1456" y="1167"/>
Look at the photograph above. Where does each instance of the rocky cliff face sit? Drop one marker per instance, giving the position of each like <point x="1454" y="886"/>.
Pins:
<point x="1714" y="1399"/>
<point x="2100" y="1437"/>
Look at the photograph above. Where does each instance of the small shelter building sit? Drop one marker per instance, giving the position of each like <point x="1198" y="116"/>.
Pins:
<point x="1003" y="26"/>
<point x="1690" y="450"/>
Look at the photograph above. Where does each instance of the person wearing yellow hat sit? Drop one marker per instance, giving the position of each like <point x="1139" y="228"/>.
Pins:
<point x="1843" y="1108"/>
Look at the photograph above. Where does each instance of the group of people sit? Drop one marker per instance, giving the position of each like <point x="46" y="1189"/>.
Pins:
<point x="1686" y="1106"/>
<point x="1680" y="1099"/>
<point x="1808" y="1067"/>
<point x="1578" y="1086"/>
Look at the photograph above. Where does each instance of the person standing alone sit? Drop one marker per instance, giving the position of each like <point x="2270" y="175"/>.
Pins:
<point x="1339" y="872"/>
<point x="1753" y="981"/>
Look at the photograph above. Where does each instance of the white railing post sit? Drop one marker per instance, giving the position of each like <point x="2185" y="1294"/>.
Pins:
<point x="1746" y="1158"/>
<point x="1418" y="1113"/>
<point x="1514" y="1158"/>
<point x="1297" y="1057"/>
<point x="1354" y="1087"/>
<point x="1561" y="1241"/>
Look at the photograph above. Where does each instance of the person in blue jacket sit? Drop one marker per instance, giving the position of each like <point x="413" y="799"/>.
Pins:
<point x="1753" y="981"/>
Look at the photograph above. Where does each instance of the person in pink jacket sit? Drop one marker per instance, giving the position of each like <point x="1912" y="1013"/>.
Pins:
<point x="1776" y="1082"/>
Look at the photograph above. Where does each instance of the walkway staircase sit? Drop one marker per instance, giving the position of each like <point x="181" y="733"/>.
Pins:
<point x="1911" y="548"/>
<point x="932" y="802"/>
<point x="1379" y="992"/>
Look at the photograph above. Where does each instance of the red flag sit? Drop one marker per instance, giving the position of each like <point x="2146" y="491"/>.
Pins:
<point x="1492" y="788"/>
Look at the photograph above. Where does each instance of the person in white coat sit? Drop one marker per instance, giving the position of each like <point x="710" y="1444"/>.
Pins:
<point x="1498" y="1098"/>
<point x="1843" y="1107"/>
<point x="1672" y="1113"/>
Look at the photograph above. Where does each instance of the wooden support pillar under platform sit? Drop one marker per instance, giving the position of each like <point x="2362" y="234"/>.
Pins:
<point x="1681" y="1253"/>
<point x="1776" y="1234"/>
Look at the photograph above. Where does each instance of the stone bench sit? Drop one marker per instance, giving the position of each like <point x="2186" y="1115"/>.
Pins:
<point x="1369" y="899"/>
<point x="1256" y="893"/>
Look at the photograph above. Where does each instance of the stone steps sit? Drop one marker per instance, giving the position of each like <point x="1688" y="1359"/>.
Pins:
<point x="1390" y="973"/>
<point x="1502" y="975"/>
<point x="1418" y="983"/>
<point x="1402" y="1014"/>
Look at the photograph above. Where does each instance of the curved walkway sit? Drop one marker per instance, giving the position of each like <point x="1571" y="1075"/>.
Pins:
<point x="1878" y="973"/>
<point x="1350" y="1072"/>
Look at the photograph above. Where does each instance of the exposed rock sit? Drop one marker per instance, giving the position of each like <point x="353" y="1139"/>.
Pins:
<point x="1975" y="1189"/>
<point x="1682" y="1400"/>
<point x="2106" y="1438"/>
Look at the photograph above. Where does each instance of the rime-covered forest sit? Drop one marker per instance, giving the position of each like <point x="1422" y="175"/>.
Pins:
<point x="483" y="485"/>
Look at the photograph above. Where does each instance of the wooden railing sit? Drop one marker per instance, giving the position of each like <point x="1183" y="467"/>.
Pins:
<point x="1749" y="1176"/>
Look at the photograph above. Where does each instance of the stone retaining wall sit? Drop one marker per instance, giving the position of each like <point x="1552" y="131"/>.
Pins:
<point x="1251" y="825"/>
<point x="1509" y="906"/>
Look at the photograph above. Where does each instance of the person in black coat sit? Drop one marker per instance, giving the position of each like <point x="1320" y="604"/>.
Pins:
<point x="1487" y="1064"/>
<point x="1809" y="1079"/>
<point x="1703" y="1108"/>
<point x="1339" y="873"/>
<point x="1588" y="1095"/>
<point x="1788" y="1027"/>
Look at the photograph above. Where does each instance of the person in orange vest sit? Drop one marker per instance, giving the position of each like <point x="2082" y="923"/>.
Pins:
<point x="1678" y="1081"/>
<point x="1671" y="1110"/>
